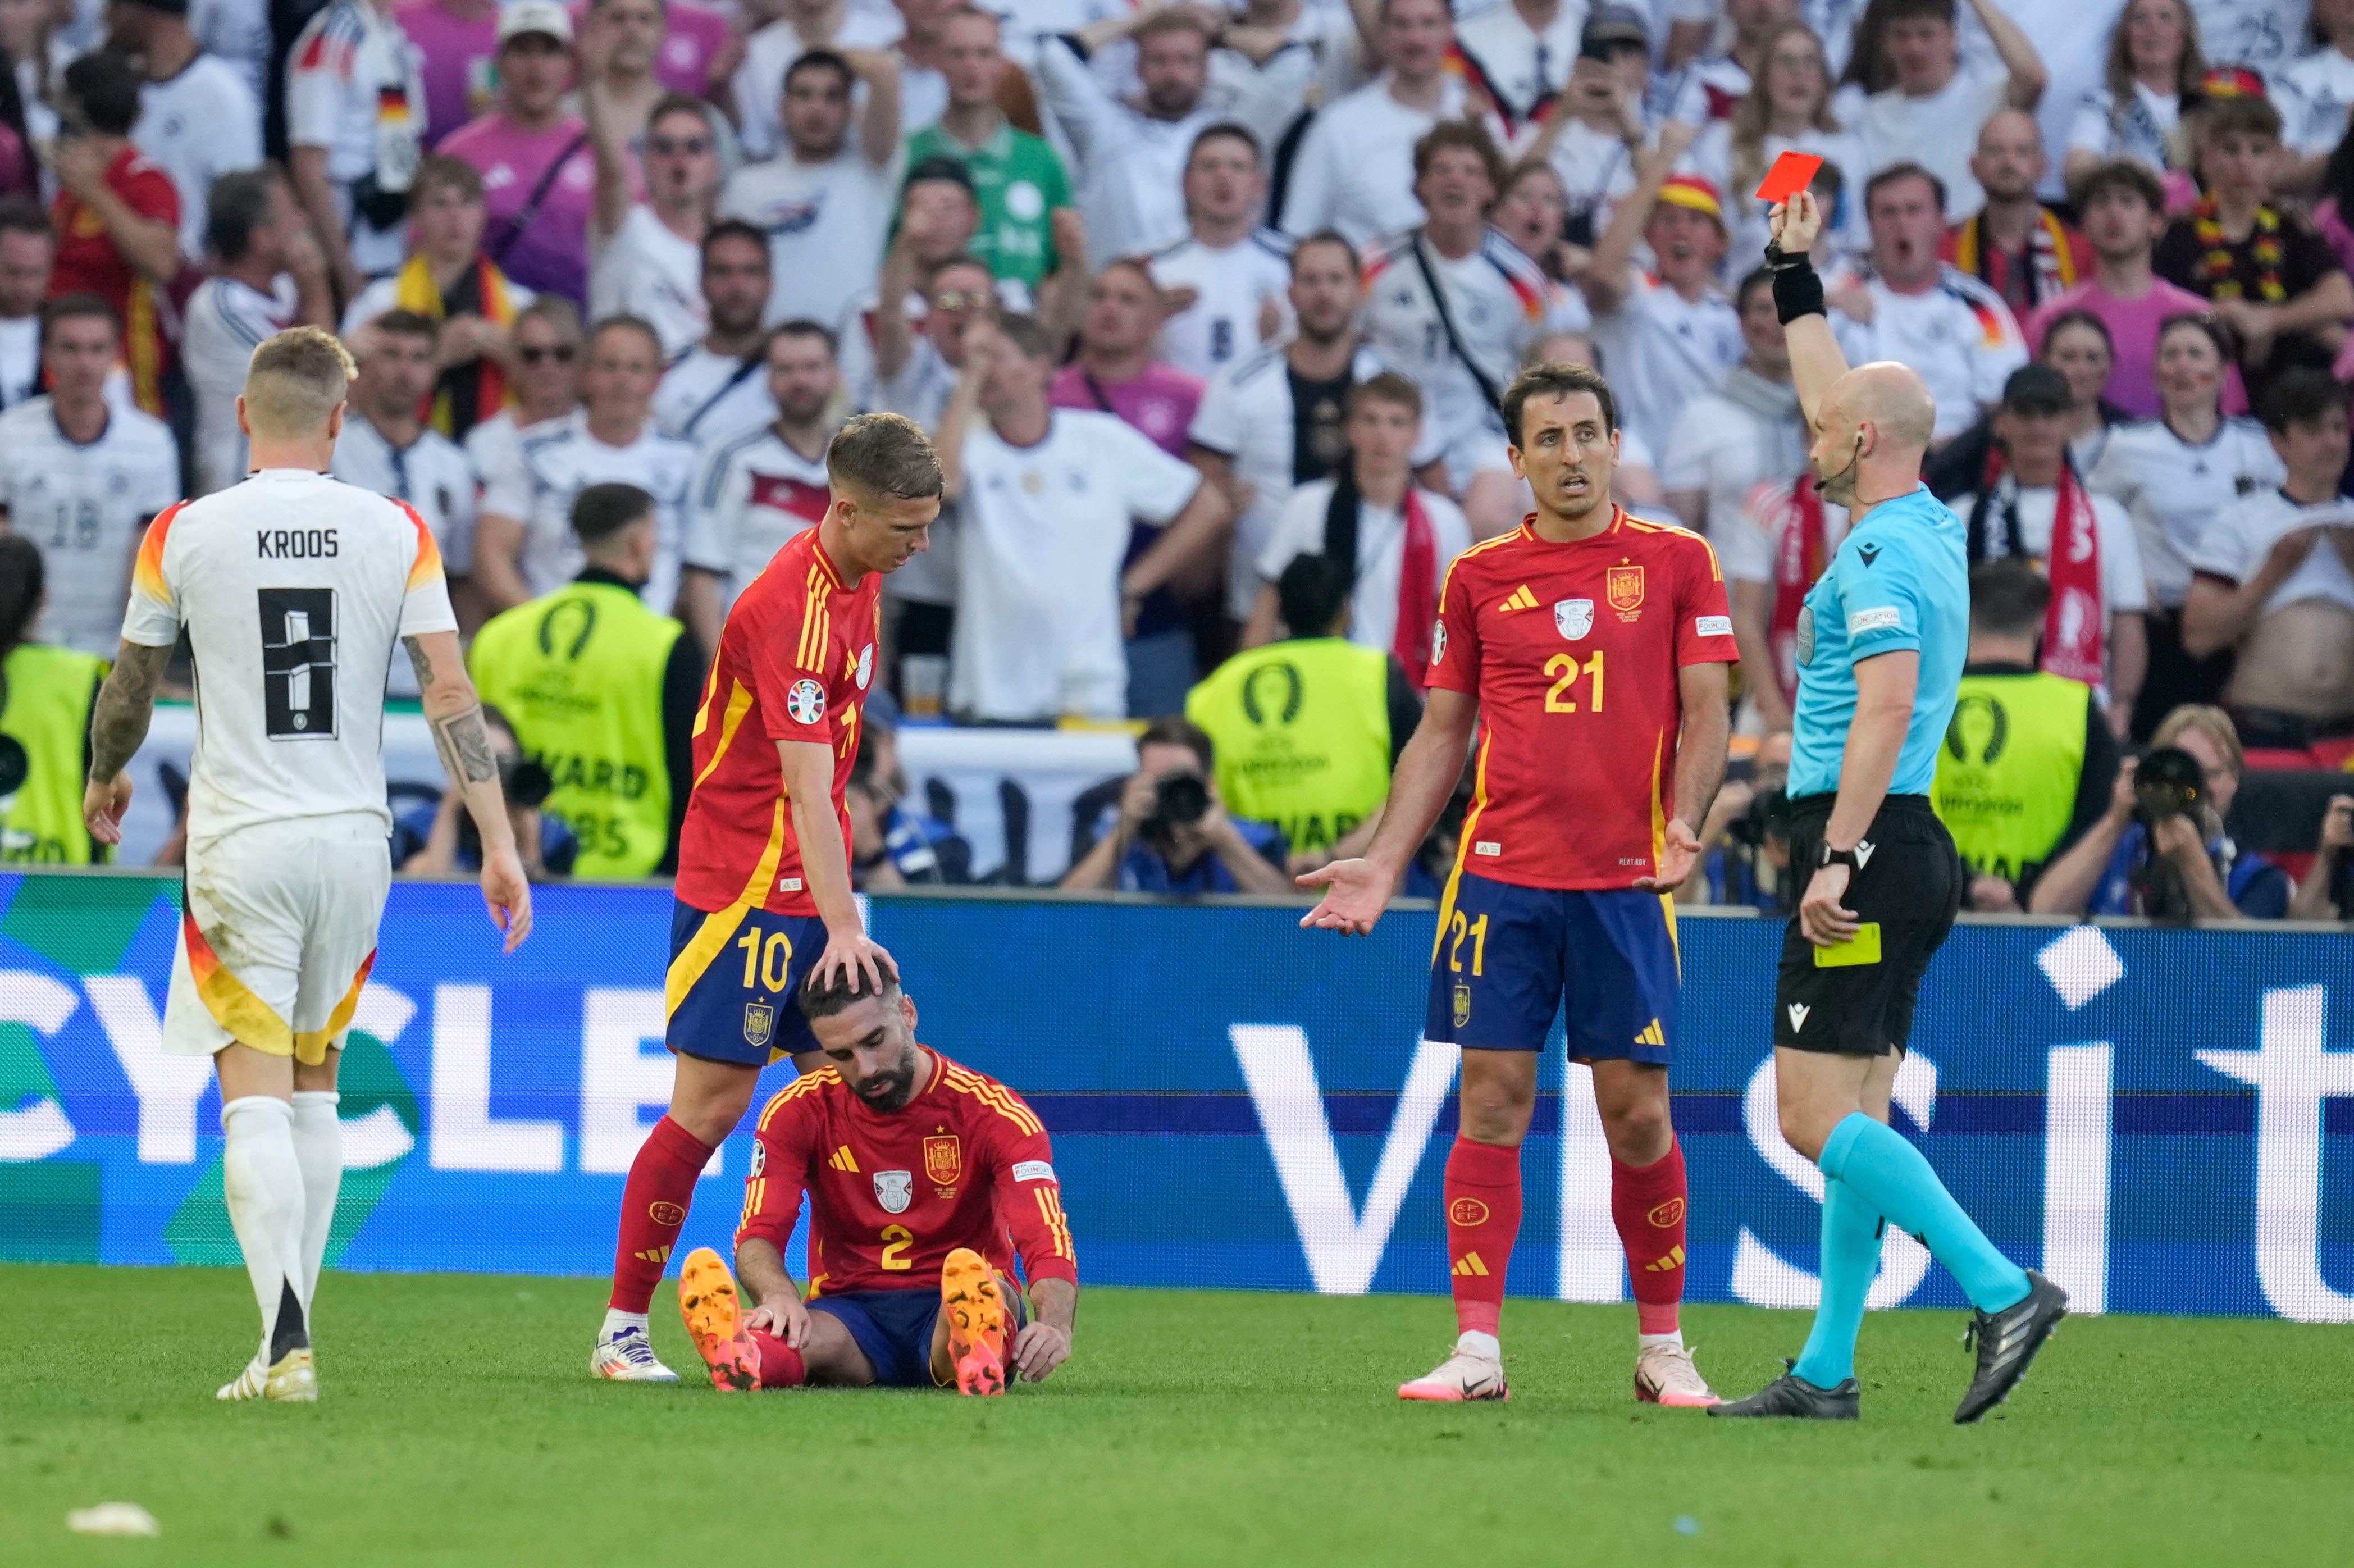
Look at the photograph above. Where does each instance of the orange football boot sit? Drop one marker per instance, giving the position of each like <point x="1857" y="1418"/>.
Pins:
<point x="974" y="1304"/>
<point x="706" y="1301"/>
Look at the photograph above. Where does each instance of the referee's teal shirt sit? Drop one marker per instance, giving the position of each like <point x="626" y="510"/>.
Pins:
<point x="1901" y="579"/>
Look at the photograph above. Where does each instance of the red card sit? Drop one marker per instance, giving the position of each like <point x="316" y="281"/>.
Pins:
<point x="1791" y="174"/>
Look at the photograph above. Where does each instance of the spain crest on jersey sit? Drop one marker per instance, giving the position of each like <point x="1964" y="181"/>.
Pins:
<point x="759" y="1023"/>
<point x="894" y="1190"/>
<point x="1573" y="618"/>
<point x="1624" y="588"/>
<point x="943" y="1159"/>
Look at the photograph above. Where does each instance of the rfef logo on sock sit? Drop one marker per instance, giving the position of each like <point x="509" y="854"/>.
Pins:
<point x="665" y="1212"/>
<point x="1467" y="1212"/>
<point x="1668" y="1213"/>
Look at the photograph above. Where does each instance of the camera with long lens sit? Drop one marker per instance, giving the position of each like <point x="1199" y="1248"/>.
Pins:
<point x="2170" y="782"/>
<point x="526" y="783"/>
<point x="1180" y="800"/>
<point x="1768" y="816"/>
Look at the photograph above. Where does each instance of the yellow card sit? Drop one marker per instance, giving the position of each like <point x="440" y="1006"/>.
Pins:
<point x="1863" y="947"/>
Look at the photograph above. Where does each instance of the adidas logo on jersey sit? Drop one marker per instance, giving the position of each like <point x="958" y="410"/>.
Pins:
<point x="1520" y="598"/>
<point x="843" y="1159"/>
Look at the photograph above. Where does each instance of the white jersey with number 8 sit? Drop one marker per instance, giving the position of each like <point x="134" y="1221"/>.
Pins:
<point x="295" y="589"/>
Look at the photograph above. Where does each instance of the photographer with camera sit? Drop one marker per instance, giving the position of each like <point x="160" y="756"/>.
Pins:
<point x="2328" y="891"/>
<point x="1745" y="839"/>
<point x="2161" y="850"/>
<point x="441" y="840"/>
<point x="602" y="692"/>
<point x="1171" y="833"/>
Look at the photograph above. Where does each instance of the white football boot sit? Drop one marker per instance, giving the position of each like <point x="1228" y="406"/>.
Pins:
<point x="1664" y="1374"/>
<point x="293" y="1377"/>
<point x="1476" y="1371"/>
<point x="626" y="1354"/>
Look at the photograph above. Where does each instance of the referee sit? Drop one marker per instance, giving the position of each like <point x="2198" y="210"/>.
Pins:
<point x="1881" y="645"/>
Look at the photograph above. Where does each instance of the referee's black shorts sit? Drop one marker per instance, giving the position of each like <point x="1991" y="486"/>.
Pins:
<point x="1910" y="886"/>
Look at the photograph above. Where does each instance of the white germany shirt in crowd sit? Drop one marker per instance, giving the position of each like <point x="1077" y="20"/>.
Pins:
<point x="2171" y="488"/>
<point x="1231" y="285"/>
<point x="296" y="590"/>
<point x="1663" y="351"/>
<point x="647" y="271"/>
<point x="707" y="396"/>
<point x="1354" y="170"/>
<point x="226" y="320"/>
<point x="197" y="126"/>
<point x="435" y="476"/>
<point x="1500" y="304"/>
<point x="1957" y="334"/>
<point x="752" y="493"/>
<point x="1045" y="529"/>
<point x="85" y="506"/>
<point x="556" y="460"/>
<point x="824" y="222"/>
<point x="2123" y="588"/>
<point x="2233" y="547"/>
<point x="1381" y="554"/>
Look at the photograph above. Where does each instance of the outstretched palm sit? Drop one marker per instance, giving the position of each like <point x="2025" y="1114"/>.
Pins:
<point x="1355" y="893"/>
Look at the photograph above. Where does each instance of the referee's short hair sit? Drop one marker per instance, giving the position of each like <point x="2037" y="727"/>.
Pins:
<point x="295" y="381"/>
<point x="2007" y="598"/>
<point x="1556" y="379"/>
<point x="885" y="454"/>
<point x="602" y="511"/>
<point x="1311" y="593"/>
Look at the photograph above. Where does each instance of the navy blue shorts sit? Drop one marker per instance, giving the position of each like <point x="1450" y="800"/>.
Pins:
<point x="735" y="980"/>
<point x="1509" y="958"/>
<point x="893" y="1328"/>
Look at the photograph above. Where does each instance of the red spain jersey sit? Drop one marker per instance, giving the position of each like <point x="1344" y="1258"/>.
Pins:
<point x="794" y="662"/>
<point x="963" y="1163"/>
<point x="89" y="262"/>
<point x="1575" y="652"/>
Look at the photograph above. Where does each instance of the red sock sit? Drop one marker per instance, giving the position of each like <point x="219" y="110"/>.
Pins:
<point x="654" y="1206"/>
<point x="780" y="1365"/>
<point x="1648" y="1206"/>
<point x="1484" y="1216"/>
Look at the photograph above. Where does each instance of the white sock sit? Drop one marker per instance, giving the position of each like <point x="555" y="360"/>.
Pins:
<point x="1674" y="1341"/>
<point x="263" y="1181"/>
<point x="319" y="1147"/>
<point x="616" y="1320"/>
<point x="1471" y="1342"/>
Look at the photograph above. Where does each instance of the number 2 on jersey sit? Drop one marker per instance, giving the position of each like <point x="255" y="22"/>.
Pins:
<point x="897" y="1240"/>
<point x="1566" y="669"/>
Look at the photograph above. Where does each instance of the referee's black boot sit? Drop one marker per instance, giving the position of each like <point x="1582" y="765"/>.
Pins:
<point x="1792" y="1396"/>
<point x="2007" y="1341"/>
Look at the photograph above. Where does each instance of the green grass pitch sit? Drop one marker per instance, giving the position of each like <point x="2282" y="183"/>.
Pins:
<point x="458" y="1425"/>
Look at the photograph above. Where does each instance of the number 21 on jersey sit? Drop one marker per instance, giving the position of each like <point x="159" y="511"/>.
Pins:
<point x="1564" y="671"/>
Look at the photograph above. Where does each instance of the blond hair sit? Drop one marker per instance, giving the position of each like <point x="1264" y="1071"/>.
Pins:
<point x="295" y="381"/>
<point x="2210" y="721"/>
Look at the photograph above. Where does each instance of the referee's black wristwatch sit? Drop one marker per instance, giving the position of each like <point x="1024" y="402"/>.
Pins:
<point x="1829" y="856"/>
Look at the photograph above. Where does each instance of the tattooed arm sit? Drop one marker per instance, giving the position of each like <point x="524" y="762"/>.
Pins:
<point x="454" y="713"/>
<point x="118" y="724"/>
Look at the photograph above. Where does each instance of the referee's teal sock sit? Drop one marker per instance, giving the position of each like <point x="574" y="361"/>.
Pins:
<point x="1895" y="1179"/>
<point x="1850" y="1259"/>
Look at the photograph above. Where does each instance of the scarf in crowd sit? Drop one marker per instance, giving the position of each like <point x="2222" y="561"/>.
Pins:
<point x="2217" y="264"/>
<point x="1792" y="513"/>
<point x="465" y="395"/>
<point x="2050" y="264"/>
<point x="1417" y="601"/>
<point x="2075" y="624"/>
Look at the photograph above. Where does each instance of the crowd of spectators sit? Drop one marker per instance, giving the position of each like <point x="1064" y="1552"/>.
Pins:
<point x="1192" y="291"/>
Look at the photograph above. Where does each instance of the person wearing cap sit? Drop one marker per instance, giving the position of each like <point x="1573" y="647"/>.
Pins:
<point x="2015" y="245"/>
<point x="1028" y="221"/>
<point x="1915" y="309"/>
<point x="355" y="111"/>
<point x="1668" y="335"/>
<point x="197" y="118"/>
<point x="824" y="201"/>
<point x="1353" y="171"/>
<point x="1932" y="112"/>
<point x="2275" y="282"/>
<point x="1596" y="127"/>
<point x="537" y="168"/>
<point x="2034" y="504"/>
<point x="1453" y="302"/>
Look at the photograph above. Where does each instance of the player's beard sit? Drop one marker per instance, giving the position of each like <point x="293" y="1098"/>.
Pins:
<point x="888" y="1091"/>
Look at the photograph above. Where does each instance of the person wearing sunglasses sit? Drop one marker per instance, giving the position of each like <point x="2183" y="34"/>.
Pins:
<point x="648" y="250"/>
<point x="547" y="383"/>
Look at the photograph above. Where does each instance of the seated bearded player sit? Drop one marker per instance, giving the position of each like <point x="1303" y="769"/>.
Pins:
<point x="924" y="1179"/>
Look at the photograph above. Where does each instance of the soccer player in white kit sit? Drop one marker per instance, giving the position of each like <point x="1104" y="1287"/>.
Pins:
<point x="292" y="588"/>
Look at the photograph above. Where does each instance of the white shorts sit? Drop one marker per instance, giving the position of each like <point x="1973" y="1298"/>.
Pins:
<point x="277" y="935"/>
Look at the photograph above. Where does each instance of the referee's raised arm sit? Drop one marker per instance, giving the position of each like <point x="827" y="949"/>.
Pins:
<point x="1871" y="427"/>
